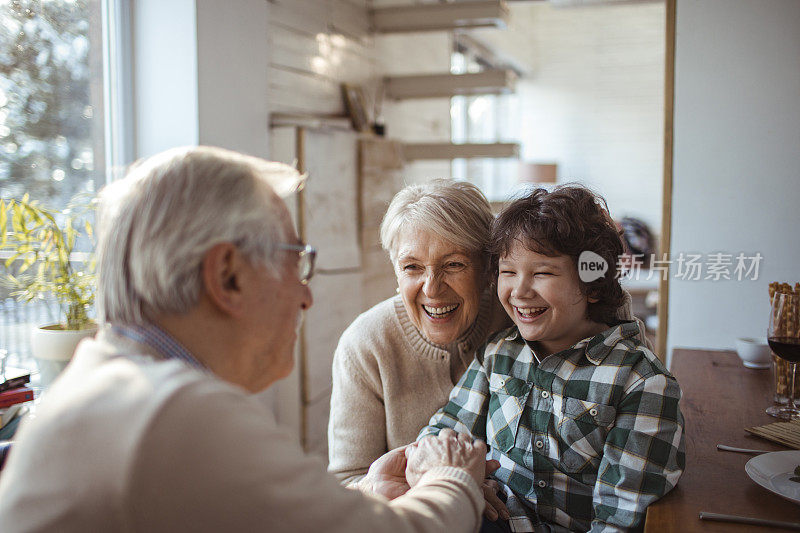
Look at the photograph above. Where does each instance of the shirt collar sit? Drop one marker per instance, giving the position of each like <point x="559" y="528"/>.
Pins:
<point x="598" y="346"/>
<point x="161" y="341"/>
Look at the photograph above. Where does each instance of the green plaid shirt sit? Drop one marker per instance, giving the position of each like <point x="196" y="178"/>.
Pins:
<point x="587" y="438"/>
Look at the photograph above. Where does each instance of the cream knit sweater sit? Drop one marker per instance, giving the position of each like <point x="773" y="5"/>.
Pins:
<point x="127" y="442"/>
<point x="388" y="380"/>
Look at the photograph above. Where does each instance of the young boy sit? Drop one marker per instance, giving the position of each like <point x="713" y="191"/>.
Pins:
<point x="583" y="418"/>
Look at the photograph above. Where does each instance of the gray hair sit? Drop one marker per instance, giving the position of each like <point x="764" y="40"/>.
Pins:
<point x="456" y="211"/>
<point x="156" y="225"/>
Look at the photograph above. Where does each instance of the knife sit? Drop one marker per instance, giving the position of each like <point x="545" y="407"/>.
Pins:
<point x="748" y="520"/>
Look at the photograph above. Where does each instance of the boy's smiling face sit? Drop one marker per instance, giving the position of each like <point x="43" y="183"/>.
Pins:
<point x="543" y="297"/>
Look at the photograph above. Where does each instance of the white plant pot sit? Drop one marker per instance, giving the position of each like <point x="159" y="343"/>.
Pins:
<point x="52" y="347"/>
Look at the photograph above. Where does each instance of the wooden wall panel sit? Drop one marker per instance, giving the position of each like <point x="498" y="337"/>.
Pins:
<point x="331" y="199"/>
<point x="315" y="45"/>
<point x="304" y="16"/>
<point x="380" y="177"/>
<point x="350" y="19"/>
<point x="337" y="302"/>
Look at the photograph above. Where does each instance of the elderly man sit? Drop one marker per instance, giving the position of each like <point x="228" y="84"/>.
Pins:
<point x="202" y="282"/>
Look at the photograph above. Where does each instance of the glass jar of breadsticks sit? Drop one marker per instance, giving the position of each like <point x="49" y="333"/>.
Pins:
<point x="781" y="369"/>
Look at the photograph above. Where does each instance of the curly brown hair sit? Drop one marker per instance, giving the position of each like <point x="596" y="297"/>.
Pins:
<point x="565" y="221"/>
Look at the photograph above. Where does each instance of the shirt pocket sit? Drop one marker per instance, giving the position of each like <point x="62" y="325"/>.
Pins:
<point x="582" y="428"/>
<point x="507" y="398"/>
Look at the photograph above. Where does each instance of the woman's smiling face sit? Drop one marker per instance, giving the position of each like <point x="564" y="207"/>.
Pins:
<point x="440" y="284"/>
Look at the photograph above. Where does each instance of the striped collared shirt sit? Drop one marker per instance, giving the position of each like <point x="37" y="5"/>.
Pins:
<point x="587" y="437"/>
<point x="159" y="340"/>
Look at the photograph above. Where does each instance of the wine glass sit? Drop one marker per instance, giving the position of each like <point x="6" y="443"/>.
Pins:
<point x="784" y="340"/>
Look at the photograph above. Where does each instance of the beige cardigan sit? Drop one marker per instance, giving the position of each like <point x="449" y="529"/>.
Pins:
<point x="127" y="442"/>
<point x="388" y="380"/>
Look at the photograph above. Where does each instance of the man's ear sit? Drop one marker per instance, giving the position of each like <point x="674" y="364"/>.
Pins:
<point x="222" y="277"/>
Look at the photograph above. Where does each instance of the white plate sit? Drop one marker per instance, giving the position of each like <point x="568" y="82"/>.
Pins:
<point x="773" y="470"/>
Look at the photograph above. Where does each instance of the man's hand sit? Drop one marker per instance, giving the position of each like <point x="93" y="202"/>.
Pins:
<point x="446" y="449"/>
<point x="387" y="475"/>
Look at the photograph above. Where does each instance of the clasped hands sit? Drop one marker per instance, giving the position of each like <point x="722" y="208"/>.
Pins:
<point x="396" y="471"/>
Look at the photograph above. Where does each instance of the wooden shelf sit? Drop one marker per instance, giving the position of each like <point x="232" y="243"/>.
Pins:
<point x="310" y="121"/>
<point x="446" y="85"/>
<point x="431" y="17"/>
<point x="414" y="151"/>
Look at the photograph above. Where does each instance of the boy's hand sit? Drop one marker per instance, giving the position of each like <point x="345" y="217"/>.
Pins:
<point x="494" y="506"/>
<point x="446" y="449"/>
<point x="386" y="476"/>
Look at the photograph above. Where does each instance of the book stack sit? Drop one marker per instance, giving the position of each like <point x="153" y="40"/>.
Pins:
<point x="14" y="392"/>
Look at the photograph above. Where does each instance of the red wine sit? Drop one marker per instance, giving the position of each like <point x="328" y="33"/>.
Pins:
<point x="787" y="348"/>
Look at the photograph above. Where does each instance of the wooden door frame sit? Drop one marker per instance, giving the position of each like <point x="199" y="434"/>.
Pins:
<point x="666" y="210"/>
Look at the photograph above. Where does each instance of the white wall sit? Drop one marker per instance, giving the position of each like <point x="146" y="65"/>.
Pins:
<point x="736" y="160"/>
<point x="165" y="75"/>
<point x="200" y="71"/>
<point x="232" y="54"/>
<point x="593" y="97"/>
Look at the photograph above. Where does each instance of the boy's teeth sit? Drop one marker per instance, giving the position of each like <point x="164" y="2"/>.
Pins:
<point x="438" y="311"/>
<point x="531" y="311"/>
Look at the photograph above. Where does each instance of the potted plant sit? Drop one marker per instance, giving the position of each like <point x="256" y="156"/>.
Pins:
<point x="43" y="264"/>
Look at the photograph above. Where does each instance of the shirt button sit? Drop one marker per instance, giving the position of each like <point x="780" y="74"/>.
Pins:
<point x="542" y="483"/>
<point x="593" y="412"/>
<point x="545" y="394"/>
<point x="539" y="444"/>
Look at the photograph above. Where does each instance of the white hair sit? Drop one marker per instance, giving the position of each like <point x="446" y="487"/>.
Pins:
<point x="456" y="211"/>
<point x="156" y="225"/>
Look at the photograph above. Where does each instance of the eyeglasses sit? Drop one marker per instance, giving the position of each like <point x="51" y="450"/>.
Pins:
<point x="305" y="263"/>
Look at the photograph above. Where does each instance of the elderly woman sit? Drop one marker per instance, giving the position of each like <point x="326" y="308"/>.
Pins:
<point x="395" y="365"/>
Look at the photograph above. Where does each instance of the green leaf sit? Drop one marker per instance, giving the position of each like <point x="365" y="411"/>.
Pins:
<point x="70" y="234"/>
<point x="17" y="221"/>
<point x="26" y="264"/>
<point x="11" y="259"/>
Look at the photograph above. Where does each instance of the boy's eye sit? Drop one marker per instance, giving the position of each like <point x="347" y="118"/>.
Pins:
<point x="543" y="273"/>
<point x="507" y="272"/>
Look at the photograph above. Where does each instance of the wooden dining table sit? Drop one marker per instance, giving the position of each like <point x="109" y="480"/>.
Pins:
<point x="720" y="398"/>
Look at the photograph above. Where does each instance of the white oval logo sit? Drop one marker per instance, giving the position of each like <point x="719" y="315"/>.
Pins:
<point x="591" y="266"/>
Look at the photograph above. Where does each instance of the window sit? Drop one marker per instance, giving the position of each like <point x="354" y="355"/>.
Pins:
<point x="55" y="134"/>
<point x="51" y="112"/>
<point x="483" y="119"/>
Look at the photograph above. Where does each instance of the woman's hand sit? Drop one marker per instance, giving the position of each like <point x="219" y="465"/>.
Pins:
<point x="387" y="475"/>
<point x="446" y="449"/>
<point x="494" y="505"/>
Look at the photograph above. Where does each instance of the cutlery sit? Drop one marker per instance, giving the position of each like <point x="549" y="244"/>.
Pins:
<point x="725" y="448"/>
<point x="748" y="520"/>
